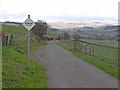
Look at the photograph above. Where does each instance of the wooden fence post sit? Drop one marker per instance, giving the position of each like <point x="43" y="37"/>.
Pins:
<point x="116" y="61"/>
<point x="93" y="50"/>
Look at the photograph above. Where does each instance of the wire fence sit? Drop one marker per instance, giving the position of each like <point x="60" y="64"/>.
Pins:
<point x="106" y="54"/>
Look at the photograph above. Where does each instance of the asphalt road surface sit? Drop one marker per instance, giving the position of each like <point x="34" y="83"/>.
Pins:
<point x="67" y="71"/>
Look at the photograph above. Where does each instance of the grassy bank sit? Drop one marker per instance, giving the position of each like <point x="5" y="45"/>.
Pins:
<point x="16" y="73"/>
<point x="113" y="71"/>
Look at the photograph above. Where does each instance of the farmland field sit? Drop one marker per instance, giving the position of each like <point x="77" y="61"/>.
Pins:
<point x="103" y="42"/>
<point x="105" y="53"/>
<point x="51" y="34"/>
<point x="105" y="50"/>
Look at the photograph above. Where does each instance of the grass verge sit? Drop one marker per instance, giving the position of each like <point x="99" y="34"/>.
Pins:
<point x="16" y="73"/>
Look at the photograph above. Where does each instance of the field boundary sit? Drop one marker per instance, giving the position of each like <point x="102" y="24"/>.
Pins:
<point x="98" y="44"/>
<point x="101" y="52"/>
<point x="106" y="67"/>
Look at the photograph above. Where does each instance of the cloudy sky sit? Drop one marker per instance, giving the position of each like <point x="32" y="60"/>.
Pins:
<point x="59" y="10"/>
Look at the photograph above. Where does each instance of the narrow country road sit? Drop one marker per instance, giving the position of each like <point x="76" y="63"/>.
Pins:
<point x="67" y="71"/>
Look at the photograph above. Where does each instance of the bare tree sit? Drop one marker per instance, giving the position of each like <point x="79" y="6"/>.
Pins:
<point x="66" y="35"/>
<point x="76" y="37"/>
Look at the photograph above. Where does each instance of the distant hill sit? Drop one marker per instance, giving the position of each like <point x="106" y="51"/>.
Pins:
<point x="55" y="30"/>
<point x="86" y="28"/>
<point x="110" y="27"/>
<point x="72" y="24"/>
<point x="12" y="23"/>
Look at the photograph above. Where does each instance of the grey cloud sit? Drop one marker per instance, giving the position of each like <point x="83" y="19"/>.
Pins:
<point x="5" y="15"/>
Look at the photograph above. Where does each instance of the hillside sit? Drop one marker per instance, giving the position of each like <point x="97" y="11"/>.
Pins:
<point x="15" y="69"/>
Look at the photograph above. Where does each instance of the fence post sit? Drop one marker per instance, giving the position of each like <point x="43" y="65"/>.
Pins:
<point x="80" y="46"/>
<point x="6" y="38"/>
<point x="116" y="61"/>
<point x="93" y="50"/>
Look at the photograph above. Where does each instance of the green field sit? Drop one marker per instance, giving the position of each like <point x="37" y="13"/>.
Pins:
<point x="104" y="53"/>
<point x="103" y="42"/>
<point x="16" y="73"/>
<point x="51" y="34"/>
<point x="105" y="66"/>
